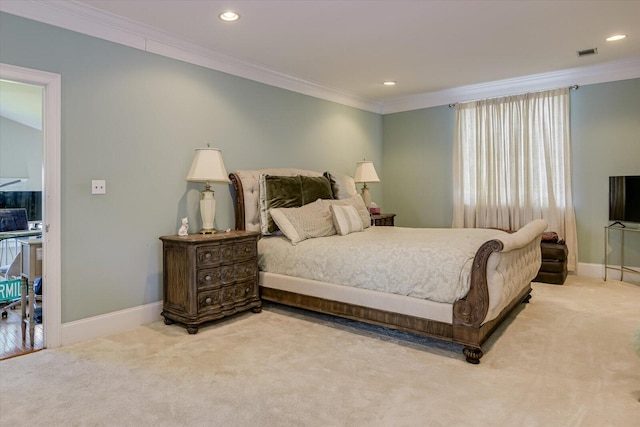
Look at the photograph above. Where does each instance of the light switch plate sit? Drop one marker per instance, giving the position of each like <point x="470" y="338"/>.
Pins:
<point x="98" y="186"/>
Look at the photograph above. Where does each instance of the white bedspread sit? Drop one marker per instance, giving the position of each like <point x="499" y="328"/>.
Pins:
<point x="426" y="263"/>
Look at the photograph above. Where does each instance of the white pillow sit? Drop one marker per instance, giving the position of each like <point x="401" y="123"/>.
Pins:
<point x="357" y="202"/>
<point x="308" y="221"/>
<point x="346" y="219"/>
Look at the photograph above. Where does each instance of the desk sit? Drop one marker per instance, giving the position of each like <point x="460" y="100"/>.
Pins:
<point x="16" y="234"/>
<point x="31" y="269"/>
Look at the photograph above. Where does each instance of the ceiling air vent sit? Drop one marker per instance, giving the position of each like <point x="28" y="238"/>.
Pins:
<point x="586" y="52"/>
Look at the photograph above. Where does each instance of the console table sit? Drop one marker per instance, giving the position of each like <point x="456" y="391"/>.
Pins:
<point x="622" y="268"/>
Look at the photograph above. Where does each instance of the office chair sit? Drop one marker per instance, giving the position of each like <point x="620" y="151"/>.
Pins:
<point x="14" y="219"/>
<point x="14" y="272"/>
<point x="11" y="272"/>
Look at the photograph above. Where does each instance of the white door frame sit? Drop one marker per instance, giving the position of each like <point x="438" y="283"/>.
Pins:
<point x="52" y="301"/>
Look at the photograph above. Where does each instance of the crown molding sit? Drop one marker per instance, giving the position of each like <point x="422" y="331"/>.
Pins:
<point x="599" y="73"/>
<point x="86" y="20"/>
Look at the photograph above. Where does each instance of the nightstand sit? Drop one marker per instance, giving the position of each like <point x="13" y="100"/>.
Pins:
<point x="382" y="219"/>
<point x="209" y="276"/>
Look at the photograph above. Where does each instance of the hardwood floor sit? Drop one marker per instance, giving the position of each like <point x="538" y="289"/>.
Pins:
<point x="11" y="344"/>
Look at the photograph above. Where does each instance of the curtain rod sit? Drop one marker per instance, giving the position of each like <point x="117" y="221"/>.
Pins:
<point x="573" y="87"/>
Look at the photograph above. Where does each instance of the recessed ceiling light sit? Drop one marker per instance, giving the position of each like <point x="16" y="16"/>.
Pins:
<point x="616" y="37"/>
<point x="389" y="83"/>
<point x="229" y="16"/>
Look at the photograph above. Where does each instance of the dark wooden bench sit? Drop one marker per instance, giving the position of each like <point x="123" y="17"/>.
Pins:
<point x="554" y="263"/>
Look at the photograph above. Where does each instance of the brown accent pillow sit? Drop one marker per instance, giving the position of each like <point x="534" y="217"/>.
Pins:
<point x="314" y="188"/>
<point x="277" y="192"/>
<point x="288" y="192"/>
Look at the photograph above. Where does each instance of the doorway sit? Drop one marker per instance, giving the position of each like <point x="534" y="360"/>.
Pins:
<point x="21" y="195"/>
<point x="50" y="87"/>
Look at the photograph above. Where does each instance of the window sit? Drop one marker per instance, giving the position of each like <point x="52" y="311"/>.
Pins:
<point x="512" y="164"/>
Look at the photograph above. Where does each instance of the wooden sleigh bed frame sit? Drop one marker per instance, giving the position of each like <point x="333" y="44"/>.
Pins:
<point x="468" y="327"/>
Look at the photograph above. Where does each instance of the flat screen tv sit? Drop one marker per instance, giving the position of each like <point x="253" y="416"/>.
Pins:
<point x="624" y="198"/>
<point x="30" y="200"/>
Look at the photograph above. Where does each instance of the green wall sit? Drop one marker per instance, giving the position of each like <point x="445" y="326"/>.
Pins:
<point x="134" y="119"/>
<point x="605" y="140"/>
<point x="605" y="137"/>
<point x="418" y="154"/>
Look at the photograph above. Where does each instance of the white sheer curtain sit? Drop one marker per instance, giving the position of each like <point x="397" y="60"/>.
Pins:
<point x="512" y="164"/>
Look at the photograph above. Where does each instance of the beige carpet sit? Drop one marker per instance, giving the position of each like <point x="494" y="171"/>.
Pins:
<point x="566" y="359"/>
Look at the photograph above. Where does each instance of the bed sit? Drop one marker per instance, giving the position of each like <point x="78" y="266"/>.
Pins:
<point x="469" y="286"/>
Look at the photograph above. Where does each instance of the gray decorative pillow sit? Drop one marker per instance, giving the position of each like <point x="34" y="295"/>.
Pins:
<point x="342" y="186"/>
<point x="346" y="219"/>
<point x="306" y="222"/>
<point x="357" y="202"/>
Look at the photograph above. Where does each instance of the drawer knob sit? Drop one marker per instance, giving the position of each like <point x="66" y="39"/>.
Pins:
<point x="207" y="278"/>
<point x="208" y="300"/>
<point x="207" y="255"/>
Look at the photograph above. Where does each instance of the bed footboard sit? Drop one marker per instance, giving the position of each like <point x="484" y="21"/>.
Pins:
<point x="472" y="309"/>
<point x="487" y="304"/>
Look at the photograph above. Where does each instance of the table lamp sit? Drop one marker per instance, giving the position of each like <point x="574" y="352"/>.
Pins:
<point x="365" y="172"/>
<point x="207" y="167"/>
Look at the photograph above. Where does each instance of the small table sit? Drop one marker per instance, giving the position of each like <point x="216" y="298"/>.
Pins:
<point x="31" y="269"/>
<point x="209" y="276"/>
<point x="622" y="269"/>
<point x="382" y="219"/>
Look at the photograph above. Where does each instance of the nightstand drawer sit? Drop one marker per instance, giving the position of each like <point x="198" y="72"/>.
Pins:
<point x="208" y="256"/>
<point x="210" y="277"/>
<point x="244" y="250"/>
<point x="227" y="297"/>
<point x="209" y="300"/>
<point x="226" y="274"/>
<point x="245" y="271"/>
<point x="245" y="291"/>
<point x="221" y="254"/>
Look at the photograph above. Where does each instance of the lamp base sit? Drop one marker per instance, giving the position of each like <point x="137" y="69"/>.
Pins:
<point x="207" y="211"/>
<point x="366" y="197"/>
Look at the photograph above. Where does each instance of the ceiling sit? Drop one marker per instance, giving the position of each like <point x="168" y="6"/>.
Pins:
<point x="351" y="47"/>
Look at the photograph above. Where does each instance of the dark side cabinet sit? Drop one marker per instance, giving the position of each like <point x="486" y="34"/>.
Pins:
<point x="382" y="219"/>
<point x="209" y="276"/>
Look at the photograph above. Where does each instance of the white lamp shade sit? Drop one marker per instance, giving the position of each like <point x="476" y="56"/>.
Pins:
<point x="365" y="172"/>
<point x="207" y="166"/>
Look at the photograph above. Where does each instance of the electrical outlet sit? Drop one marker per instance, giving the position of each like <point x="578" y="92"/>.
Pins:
<point x="98" y="186"/>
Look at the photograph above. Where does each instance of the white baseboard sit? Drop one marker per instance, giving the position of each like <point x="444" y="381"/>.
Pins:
<point x="597" y="272"/>
<point x="118" y="321"/>
<point x="110" y="323"/>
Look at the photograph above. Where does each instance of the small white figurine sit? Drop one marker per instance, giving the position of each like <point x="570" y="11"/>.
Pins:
<point x="184" y="228"/>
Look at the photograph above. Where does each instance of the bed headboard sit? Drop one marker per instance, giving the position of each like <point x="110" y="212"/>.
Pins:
<point x="246" y="200"/>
